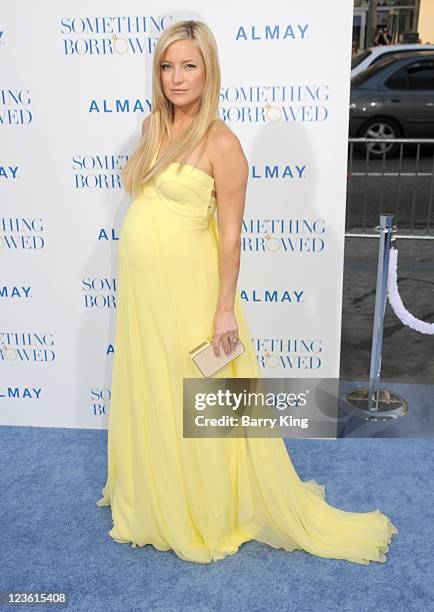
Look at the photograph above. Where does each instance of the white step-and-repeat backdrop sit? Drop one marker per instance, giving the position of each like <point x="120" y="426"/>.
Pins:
<point x="75" y="87"/>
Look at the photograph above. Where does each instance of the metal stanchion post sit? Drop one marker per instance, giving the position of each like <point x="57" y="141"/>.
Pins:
<point x="385" y="228"/>
<point x="375" y="402"/>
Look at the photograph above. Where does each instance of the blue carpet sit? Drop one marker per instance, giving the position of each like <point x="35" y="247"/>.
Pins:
<point x="54" y="537"/>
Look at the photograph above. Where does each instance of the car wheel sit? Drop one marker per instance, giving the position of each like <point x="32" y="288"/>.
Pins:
<point x="380" y="128"/>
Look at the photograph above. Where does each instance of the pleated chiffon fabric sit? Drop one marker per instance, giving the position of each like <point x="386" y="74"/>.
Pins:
<point x="200" y="497"/>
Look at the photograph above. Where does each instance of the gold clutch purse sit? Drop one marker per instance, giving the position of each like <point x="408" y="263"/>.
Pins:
<point x="209" y="363"/>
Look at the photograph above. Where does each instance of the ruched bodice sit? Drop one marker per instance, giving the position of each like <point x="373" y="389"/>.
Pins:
<point x="184" y="189"/>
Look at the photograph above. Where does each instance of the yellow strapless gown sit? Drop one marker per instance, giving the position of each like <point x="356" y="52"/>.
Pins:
<point x="200" y="497"/>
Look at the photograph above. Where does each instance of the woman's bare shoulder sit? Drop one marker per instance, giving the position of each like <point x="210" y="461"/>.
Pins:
<point x="223" y="140"/>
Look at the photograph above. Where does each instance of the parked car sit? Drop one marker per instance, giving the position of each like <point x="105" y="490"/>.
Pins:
<point x="394" y="98"/>
<point x="370" y="56"/>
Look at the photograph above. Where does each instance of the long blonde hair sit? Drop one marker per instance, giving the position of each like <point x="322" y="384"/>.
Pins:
<point x="139" y="169"/>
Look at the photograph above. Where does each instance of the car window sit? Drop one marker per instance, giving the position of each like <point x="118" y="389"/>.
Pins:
<point x="372" y="70"/>
<point x="421" y="76"/>
<point x="357" y="59"/>
<point x="397" y="80"/>
<point x="418" y="76"/>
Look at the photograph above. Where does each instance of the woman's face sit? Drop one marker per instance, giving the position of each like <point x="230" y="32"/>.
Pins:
<point x="182" y="73"/>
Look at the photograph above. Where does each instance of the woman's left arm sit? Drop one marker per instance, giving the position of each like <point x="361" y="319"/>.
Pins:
<point x="231" y="170"/>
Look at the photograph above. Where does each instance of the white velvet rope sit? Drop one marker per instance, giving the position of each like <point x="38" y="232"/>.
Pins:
<point x="395" y="299"/>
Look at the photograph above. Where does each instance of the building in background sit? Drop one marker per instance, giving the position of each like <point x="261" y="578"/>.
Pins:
<point x="426" y="21"/>
<point x="407" y="21"/>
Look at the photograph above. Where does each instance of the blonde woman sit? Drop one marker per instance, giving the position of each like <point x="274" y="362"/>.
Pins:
<point x="179" y="257"/>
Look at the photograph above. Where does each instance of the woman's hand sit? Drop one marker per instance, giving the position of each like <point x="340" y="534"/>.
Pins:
<point x="225" y="330"/>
